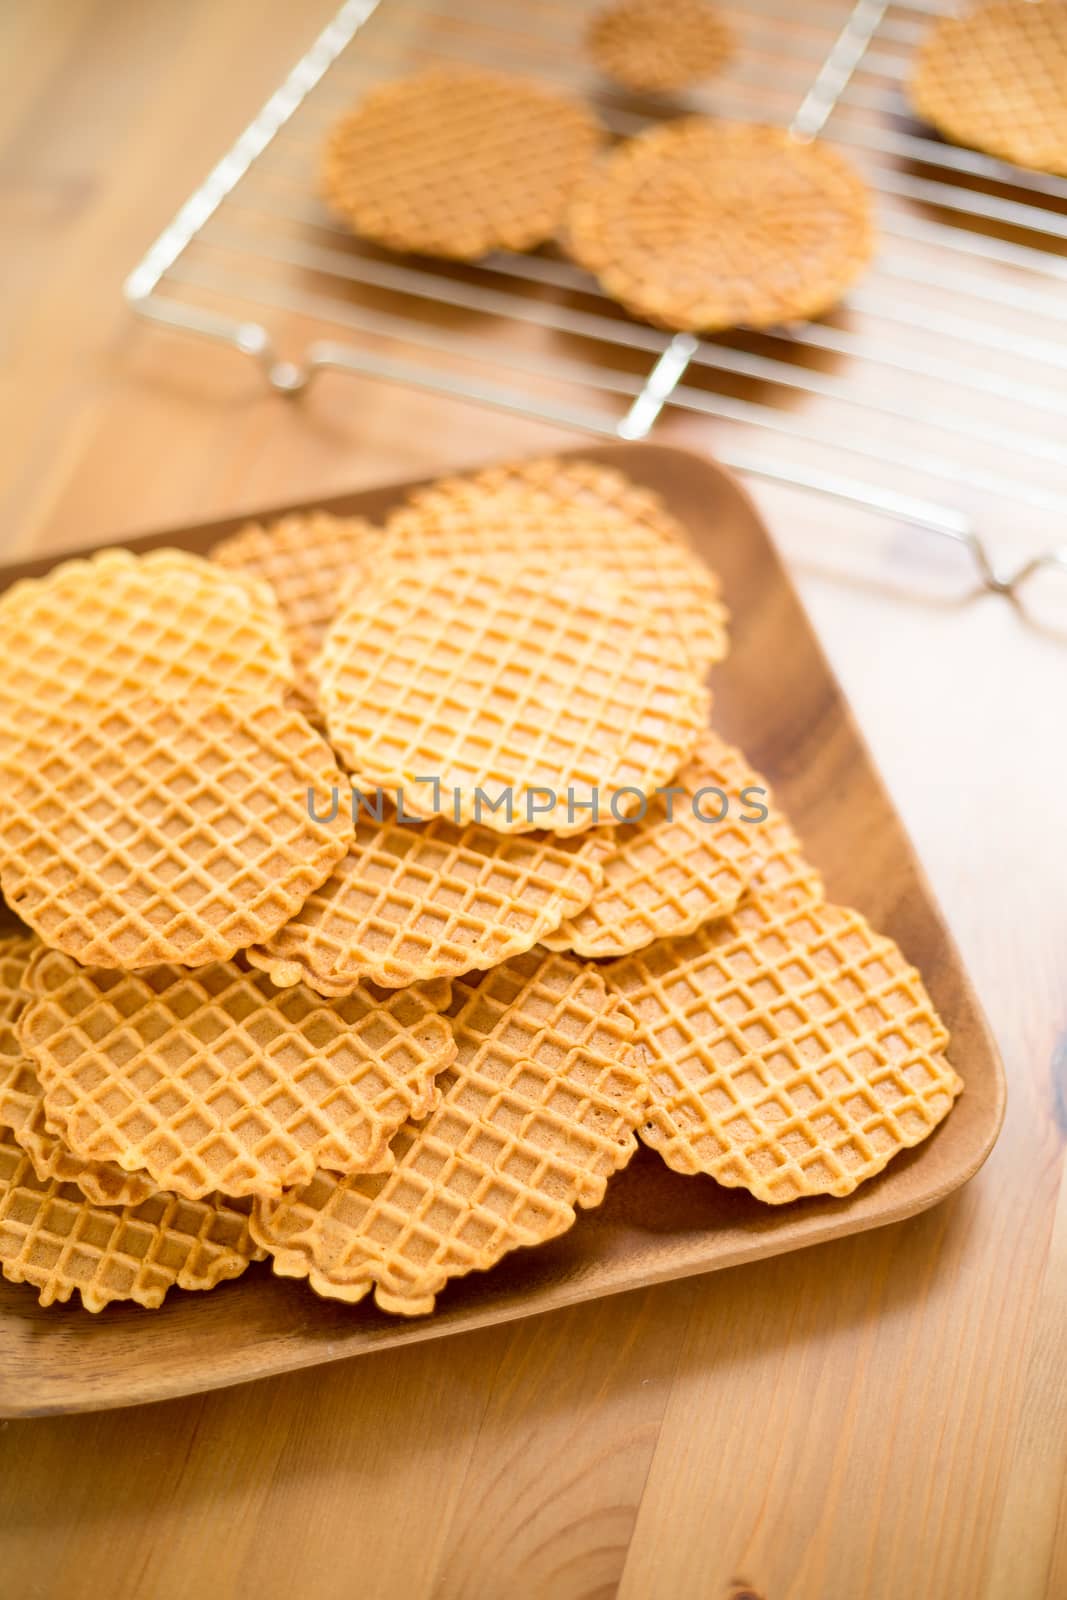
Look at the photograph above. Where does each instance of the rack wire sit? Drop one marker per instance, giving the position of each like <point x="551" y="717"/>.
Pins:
<point x="934" y="395"/>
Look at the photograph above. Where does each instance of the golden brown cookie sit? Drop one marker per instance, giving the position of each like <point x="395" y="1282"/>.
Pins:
<point x="655" y="46"/>
<point x="308" y="559"/>
<point x="536" y="1114"/>
<point x="413" y="901"/>
<point x="116" y="625"/>
<point x="551" y="698"/>
<point x="703" y="225"/>
<point x="995" y="78"/>
<point x="791" y="1051"/>
<point x="166" y="830"/>
<point x="689" y="859"/>
<point x="22" y="1098"/>
<point x="455" y="161"/>
<point x="52" y="1237"/>
<point x="214" y="1079"/>
<point x="565" y="511"/>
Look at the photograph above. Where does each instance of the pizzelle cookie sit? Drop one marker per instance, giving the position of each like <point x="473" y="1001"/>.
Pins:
<point x="454" y="161"/>
<point x="307" y="558"/>
<point x="700" y="225"/>
<point x="575" y="513"/>
<point x="212" y="1079"/>
<point x="658" y="45"/>
<point x="52" y="1237"/>
<point x="995" y="78"/>
<point x="515" y="698"/>
<point x="412" y="902"/>
<point x="791" y="1051"/>
<point x="688" y="860"/>
<point x="22" y="1099"/>
<point x="167" y="831"/>
<point x="536" y="1114"/>
<point x="116" y="626"/>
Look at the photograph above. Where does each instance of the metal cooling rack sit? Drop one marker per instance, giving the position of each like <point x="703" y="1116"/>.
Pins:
<point x="934" y="395"/>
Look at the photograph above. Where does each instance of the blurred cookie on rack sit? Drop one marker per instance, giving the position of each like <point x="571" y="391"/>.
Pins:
<point x="995" y="78"/>
<point x="699" y="226"/>
<point x="655" y="46"/>
<point x="455" y="161"/>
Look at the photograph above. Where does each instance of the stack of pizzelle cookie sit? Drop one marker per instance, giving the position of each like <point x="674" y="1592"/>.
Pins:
<point x="381" y="965"/>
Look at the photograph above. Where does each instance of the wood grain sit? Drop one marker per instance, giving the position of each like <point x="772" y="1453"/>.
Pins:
<point x="878" y="1417"/>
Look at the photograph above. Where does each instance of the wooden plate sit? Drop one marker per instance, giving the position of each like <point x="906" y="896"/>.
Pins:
<point x="777" y="697"/>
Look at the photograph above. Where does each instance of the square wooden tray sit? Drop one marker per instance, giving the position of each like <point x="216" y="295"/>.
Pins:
<point x="775" y="696"/>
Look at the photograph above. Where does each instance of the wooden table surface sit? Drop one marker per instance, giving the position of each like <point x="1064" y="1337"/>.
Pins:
<point x="882" y="1417"/>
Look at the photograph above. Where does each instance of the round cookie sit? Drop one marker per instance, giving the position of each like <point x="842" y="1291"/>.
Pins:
<point x="455" y="162"/>
<point x="537" y="1112"/>
<point x="213" y="1079"/>
<point x="699" y="226"/>
<point x="791" y="1050"/>
<point x="62" y="1244"/>
<point x="521" y="699"/>
<point x="576" y="513"/>
<point x="411" y="902"/>
<point x="995" y="78"/>
<point x="654" y="46"/>
<point x="165" y="830"/>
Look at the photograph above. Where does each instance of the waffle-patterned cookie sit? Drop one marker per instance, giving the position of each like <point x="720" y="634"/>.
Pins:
<point x="688" y="860"/>
<point x="995" y="78"/>
<point x="55" y="1239"/>
<point x="22" y="1113"/>
<point x="22" y="1098"/>
<point x="655" y="46"/>
<point x="165" y="831"/>
<point x="215" y="1080"/>
<point x="412" y="902"/>
<point x="703" y="225"/>
<point x="535" y="691"/>
<point x="455" y="162"/>
<point x="565" y="511"/>
<point x="783" y="874"/>
<point x="308" y="558"/>
<point x="537" y="1113"/>
<point x="790" y="1051"/>
<point x="100" y="631"/>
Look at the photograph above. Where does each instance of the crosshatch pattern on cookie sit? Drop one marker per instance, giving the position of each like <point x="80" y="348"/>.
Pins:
<point x="455" y="161"/>
<point x="566" y="511"/>
<point x="160" y="831"/>
<point x="537" y="1112"/>
<point x="994" y="78"/>
<point x="114" y="626"/>
<point x="789" y="1054"/>
<point x="511" y="682"/>
<point x="308" y="558"/>
<point x="677" y="867"/>
<point x="410" y="902"/>
<point x="212" y="1079"/>
<point x="52" y="1237"/>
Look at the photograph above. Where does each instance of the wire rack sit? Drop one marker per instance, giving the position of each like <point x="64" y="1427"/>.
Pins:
<point x="934" y="394"/>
